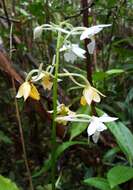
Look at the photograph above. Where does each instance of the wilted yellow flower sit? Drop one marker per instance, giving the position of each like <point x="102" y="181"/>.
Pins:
<point x="90" y="94"/>
<point x="63" y="110"/>
<point x="46" y="81"/>
<point x="28" y="89"/>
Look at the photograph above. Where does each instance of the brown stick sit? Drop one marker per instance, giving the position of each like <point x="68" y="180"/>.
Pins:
<point x="84" y="4"/>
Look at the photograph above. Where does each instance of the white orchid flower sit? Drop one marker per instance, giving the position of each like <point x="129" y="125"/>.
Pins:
<point x="97" y="125"/>
<point x="91" y="31"/>
<point x="72" y="52"/>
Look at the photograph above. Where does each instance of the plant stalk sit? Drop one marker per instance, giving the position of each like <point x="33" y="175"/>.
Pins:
<point x="55" y="98"/>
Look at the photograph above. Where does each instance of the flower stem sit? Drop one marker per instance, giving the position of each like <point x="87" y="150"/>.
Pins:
<point x="67" y="74"/>
<point x="55" y="98"/>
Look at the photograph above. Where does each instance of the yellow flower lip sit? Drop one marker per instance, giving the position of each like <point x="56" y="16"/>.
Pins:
<point x="90" y="94"/>
<point x="28" y="89"/>
<point x="34" y="92"/>
<point x="47" y="82"/>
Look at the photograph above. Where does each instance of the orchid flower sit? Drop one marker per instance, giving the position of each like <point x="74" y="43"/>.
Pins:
<point x="28" y="89"/>
<point x="90" y="94"/>
<point x="90" y="32"/>
<point x="46" y="79"/>
<point x="72" y="52"/>
<point x="63" y="111"/>
<point x="97" y="125"/>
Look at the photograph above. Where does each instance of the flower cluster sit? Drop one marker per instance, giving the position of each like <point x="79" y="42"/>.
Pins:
<point x="28" y="89"/>
<point x="71" y="52"/>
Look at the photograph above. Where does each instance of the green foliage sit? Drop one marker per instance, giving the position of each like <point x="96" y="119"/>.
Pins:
<point x="7" y="184"/>
<point x="61" y="148"/>
<point x="99" y="183"/>
<point x="4" y="138"/>
<point x="124" y="138"/>
<point x="114" y="71"/>
<point x="119" y="174"/>
<point x="110" y="154"/>
<point x="59" y="151"/>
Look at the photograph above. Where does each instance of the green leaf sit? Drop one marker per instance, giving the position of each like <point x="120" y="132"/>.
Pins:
<point x="114" y="71"/>
<point x="7" y="184"/>
<point x="61" y="148"/>
<point x="110" y="154"/>
<point x="99" y="183"/>
<point x="5" y="138"/>
<point x="45" y="167"/>
<point x="77" y="128"/>
<point x="129" y="96"/>
<point x="119" y="174"/>
<point x="123" y="137"/>
<point x="99" y="76"/>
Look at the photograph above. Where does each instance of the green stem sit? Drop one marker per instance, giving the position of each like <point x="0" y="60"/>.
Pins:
<point x="55" y="98"/>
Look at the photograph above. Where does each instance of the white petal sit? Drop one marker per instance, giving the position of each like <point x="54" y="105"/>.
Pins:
<point x="104" y="25"/>
<point x="100" y="126"/>
<point x="37" y="32"/>
<point x="24" y="90"/>
<point x="38" y="77"/>
<point x="19" y="95"/>
<point x="96" y="97"/>
<point x="95" y="137"/>
<point x="78" y="51"/>
<point x="106" y="118"/>
<point x="89" y="32"/>
<point x="70" y="57"/>
<point x="91" y="46"/>
<point x="91" y="128"/>
<point x="88" y="94"/>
